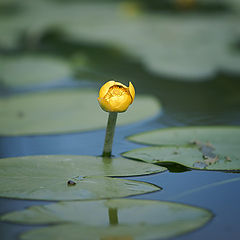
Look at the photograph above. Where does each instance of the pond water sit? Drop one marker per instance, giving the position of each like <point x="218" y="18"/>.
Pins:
<point x="214" y="101"/>
<point x="216" y="191"/>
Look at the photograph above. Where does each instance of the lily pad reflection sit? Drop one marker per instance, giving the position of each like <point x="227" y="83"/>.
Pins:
<point x="111" y="219"/>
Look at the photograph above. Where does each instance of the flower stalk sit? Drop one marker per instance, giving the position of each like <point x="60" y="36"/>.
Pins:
<point x="107" y="149"/>
<point x="113" y="216"/>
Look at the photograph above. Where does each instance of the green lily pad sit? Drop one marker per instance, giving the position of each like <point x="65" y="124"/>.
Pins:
<point x="188" y="136"/>
<point x="211" y="148"/>
<point x="9" y="33"/>
<point x="125" y="218"/>
<point x="71" y="177"/>
<point x="185" y="47"/>
<point x="188" y="157"/>
<point x="166" y="155"/>
<point x="64" y="111"/>
<point x="32" y="70"/>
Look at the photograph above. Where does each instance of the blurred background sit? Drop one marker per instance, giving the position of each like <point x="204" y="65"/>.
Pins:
<point x="185" y="52"/>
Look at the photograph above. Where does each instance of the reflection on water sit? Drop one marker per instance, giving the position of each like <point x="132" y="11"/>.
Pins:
<point x="113" y="216"/>
<point x="127" y="237"/>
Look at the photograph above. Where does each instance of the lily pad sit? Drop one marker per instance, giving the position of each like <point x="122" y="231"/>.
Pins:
<point x="9" y="33"/>
<point x="71" y="177"/>
<point x="188" y="157"/>
<point x="212" y="148"/>
<point x="31" y="70"/>
<point x="165" y="155"/>
<point x="188" y="136"/>
<point x="111" y="219"/>
<point x="185" y="47"/>
<point x="64" y="111"/>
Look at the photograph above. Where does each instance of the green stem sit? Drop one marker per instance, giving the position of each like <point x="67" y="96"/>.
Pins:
<point x="113" y="216"/>
<point x="112" y="119"/>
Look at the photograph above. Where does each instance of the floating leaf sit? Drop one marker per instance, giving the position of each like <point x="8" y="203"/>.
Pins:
<point x="185" y="47"/>
<point x="165" y="155"/>
<point x="64" y="111"/>
<point x="188" y="157"/>
<point x="63" y="177"/>
<point x="111" y="219"/>
<point x="212" y="148"/>
<point x="9" y="33"/>
<point x="188" y="48"/>
<point x="179" y="136"/>
<point x="31" y="69"/>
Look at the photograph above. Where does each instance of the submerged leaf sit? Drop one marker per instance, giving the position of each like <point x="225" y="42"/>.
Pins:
<point x="64" y="111"/>
<point x="111" y="219"/>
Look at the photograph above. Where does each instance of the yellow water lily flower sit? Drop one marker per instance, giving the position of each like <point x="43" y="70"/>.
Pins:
<point x="116" y="97"/>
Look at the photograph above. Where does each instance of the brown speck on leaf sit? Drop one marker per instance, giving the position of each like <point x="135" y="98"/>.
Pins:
<point x="210" y="161"/>
<point x="175" y="152"/>
<point x="195" y="142"/>
<point x="200" y="165"/>
<point x="227" y="159"/>
<point x="202" y="145"/>
<point x="71" y="183"/>
<point x="208" y="144"/>
<point x="20" y="114"/>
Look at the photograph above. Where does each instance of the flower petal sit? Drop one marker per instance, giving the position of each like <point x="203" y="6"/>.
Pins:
<point x="104" y="89"/>
<point x="120" y="103"/>
<point x="120" y="84"/>
<point x="104" y="104"/>
<point x="131" y="91"/>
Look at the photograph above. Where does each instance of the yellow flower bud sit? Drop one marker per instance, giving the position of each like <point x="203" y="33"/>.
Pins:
<point x="116" y="97"/>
